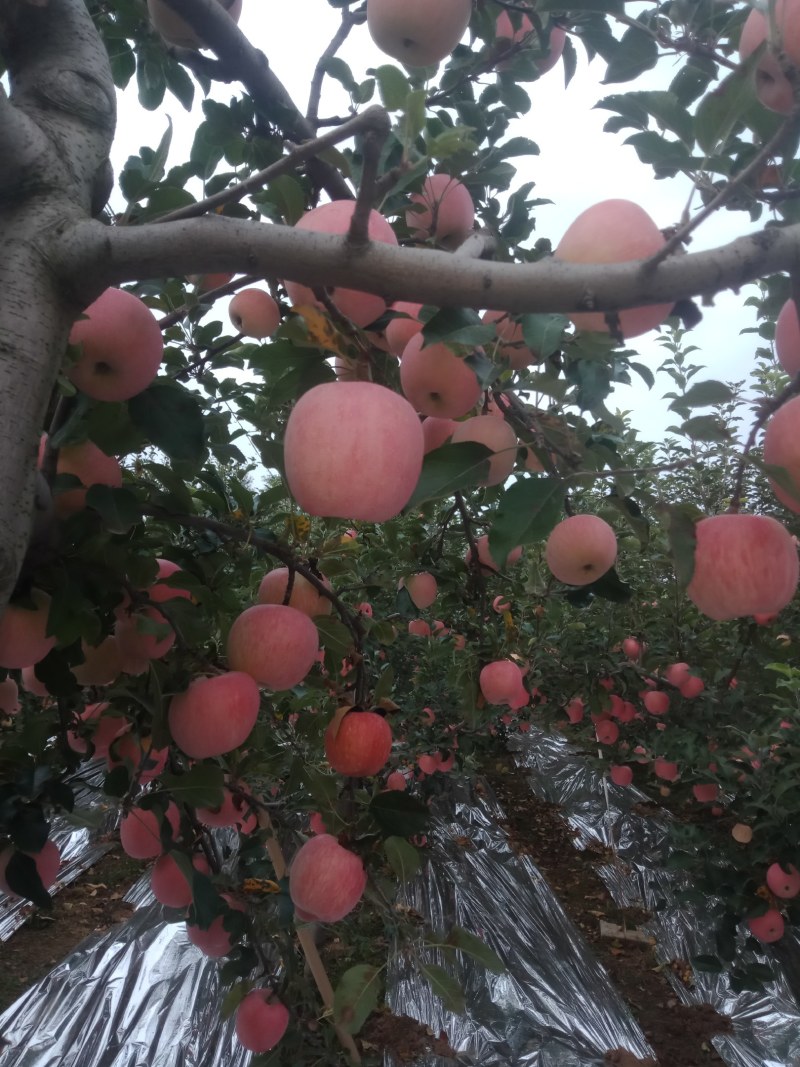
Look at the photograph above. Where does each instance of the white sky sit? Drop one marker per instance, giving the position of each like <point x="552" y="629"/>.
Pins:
<point x="578" y="166"/>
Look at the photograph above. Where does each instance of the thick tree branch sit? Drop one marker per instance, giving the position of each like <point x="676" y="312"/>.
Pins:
<point x="95" y="256"/>
<point x="251" y="67"/>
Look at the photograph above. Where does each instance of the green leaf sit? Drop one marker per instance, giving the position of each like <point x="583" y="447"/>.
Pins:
<point x="445" y="987"/>
<point x="472" y="946"/>
<point x="681" y="520"/>
<point x="543" y="333"/>
<point x="637" y="52"/>
<point x="721" y="110"/>
<point x="449" y="468"/>
<point x="233" y="998"/>
<point x="706" y="428"/>
<point x="709" y="964"/>
<point x="528" y="511"/>
<point x="393" y="87"/>
<point x="356" y="997"/>
<point x="609" y="586"/>
<point x="179" y="83"/>
<point x="119" y="508"/>
<point x="457" y="326"/>
<point x="703" y="394"/>
<point x="172" y="419"/>
<point x="201" y="786"/>
<point x="403" y="858"/>
<point x="398" y="814"/>
<point x="334" y="636"/>
<point x="338" y="69"/>
<point x="414" y="117"/>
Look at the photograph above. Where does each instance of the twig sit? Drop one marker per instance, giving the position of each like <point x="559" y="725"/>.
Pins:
<point x="766" y="409"/>
<point x="199" y="362"/>
<point x="176" y="316"/>
<point x="784" y="131"/>
<point x="358" y="234"/>
<point x="349" y="19"/>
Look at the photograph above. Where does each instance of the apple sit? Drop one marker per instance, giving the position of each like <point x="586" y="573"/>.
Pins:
<point x="787" y="338"/>
<point x="575" y="710"/>
<point x="177" y="31"/>
<point x="437" y="432"/>
<point x="614" y="231"/>
<point x="498" y="436"/>
<point x="304" y="596"/>
<point x="326" y="881"/>
<point x="743" y="565"/>
<point x="422" y="588"/>
<point x="501" y="683"/>
<point x="532" y="462"/>
<point x="168" y="882"/>
<point x="216" y="941"/>
<point x="768" y="927"/>
<point x="581" y="549"/>
<point x="273" y="643"/>
<point x="443" y="210"/>
<point x="160" y="591"/>
<point x="236" y="810"/>
<point x="621" y="775"/>
<point x="419" y="628"/>
<point x="334" y="218"/>
<point x="31" y="684"/>
<point x="147" y="762"/>
<point x="784" y="882"/>
<point x="136" y="644"/>
<point x="140" y="831"/>
<point x="214" y="715"/>
<point x="632" y="648"/>
<point x="656" y="701"/>
<point x="106" y="729"/>
<point x="101" y="663"/>
<point x="705" y="793"/>
<point x="396" y="782"/>
<point x="677" y="674"/>
<point x="692" y="687"/>
<point x="782" y="449"/>
<point x="666" y="770"/>
<point x="485" y="558"/>
<point x="510" y="341"/>
<point x="607" y="732"/>
<point x="417" y="32"/>
<point x="773" y="88"/>
<point x="506" y="36"/>
<point x="47" y="860"/>
<point x="121" y="347"/>
<point x="401" y="329"/>
<point x="261" y="1021"/>
<point x="353" y="450"/>
<point x="254" y="313"/>
<point x="23" y="632"/>
<point x="9" y="697"/>
<point x="358" y="745"/>
<point x="92" y="467"/>
<point x="437" y="381"/>
<point x="207" y="283"/>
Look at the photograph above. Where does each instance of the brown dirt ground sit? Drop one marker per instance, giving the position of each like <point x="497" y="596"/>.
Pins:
<point x="680" y="1035"/>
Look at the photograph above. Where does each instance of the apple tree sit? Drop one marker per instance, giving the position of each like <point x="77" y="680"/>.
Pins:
<point x="266" y="561"/>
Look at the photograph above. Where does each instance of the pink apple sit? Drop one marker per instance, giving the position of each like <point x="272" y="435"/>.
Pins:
<point x="773" y="88"/>
<point x="422" y="588"/>
<point x="236" y="810"/>
<point x="419" y="628"/>
<point x="501" y="683"/>
<point x="437" y="432"/>
<point x="326" y="881"/>
<point x="261" y="1021"/>
<point x="137" y="644"/>
<point x="621" y="775"/>
<point x="784" y="882"/>
<point x="304" y="596"/>
<point x="677" y="674"/>
<point x="498" y="436"/>
<point x="443" y="210"/>
<point x="416" y="32"/>
<point x="511" y="344"/>
<point x="334" y="218"/>
<point x="768" y="927"/>
<point x="607" y="732"/>
<point x="485" y="558"/>
<point x="121" y="347"/>
<point x="147" y="762"/>
<point x="161" y="591"/>
<point x="401" y="329"/>
<point x="581" y="549"/>
<point x="692" y="687"/>
<point x="656" y="701"/>
<point x="275" y="644"/>
<point x="23" y="632"/>
<point x="140" y="831"/>
<point x="92" y="467"/>
<point x="632" y="648"/>
<point x="787" y="338"/>
<point x="506" y="36"/>
<point x="614" y="231"/>
<point x="216" y="941"/>
<point x="214" y="715"/>
<point x="705" y="793"/>
<point x="168" y="882"/>
<point x="666" y="770"/>
<point x="743" y="565"/>
<point x="353" y="450"/>
<point x="9" y="698"/>
<point x="254" y="313"/>
<point x="436" y="381"/>
<point x="782" y="449"/>
<point x="358" y="745"/>
<point x="575" y="710"/>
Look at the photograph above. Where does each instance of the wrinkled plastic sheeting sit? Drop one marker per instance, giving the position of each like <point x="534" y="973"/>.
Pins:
<point x="79" y="847"/>
<point x="555" y="1006"/>
<point x="766" y="1024"/>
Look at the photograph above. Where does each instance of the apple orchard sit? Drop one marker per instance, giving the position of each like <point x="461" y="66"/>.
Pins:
<point x="447" y="535"/>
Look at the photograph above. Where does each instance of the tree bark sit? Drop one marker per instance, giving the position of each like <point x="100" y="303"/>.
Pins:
<point x="56" y="128"/>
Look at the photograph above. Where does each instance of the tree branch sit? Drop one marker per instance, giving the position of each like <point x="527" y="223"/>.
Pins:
<point x="251" y="67"/>
<point x="93" y="256"/>
<point x="349" y="20"/>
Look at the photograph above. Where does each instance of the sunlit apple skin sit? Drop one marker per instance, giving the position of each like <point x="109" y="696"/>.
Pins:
<point x="23" y="633"/>
<point x="360" y="308"/>
<point x="773" y="88"/>
<point x="169" y="884"/>
<point x="177" y="31"/>
<point x="353" y="450"/>
<point x="784" y="882"/>
<point x="140" y="833"/>
<point x="326" y="881"/>
<point x="614" y="231"/>
<point x="214" y="715"/>
<point x="422" y="588"/>
<point x="581" y="549"/>
<point x="768" y="927"/>
<point x="400" y="330"/>
<point x="743" y="565"/>
<point x="436" y="381"/>
<point x="48" y="862"/>
<point x="304" y="597"/>
<point x="361" y="746"/>
<point x="511" y="343"/>
<point x="121" y="344"/>
<point x="506" y="35"/>
<point x="787" y="338"/>
<point x="497" y="435"/>
<point x="254" y="313"/>
<point x="89" y="464"/>
<point x="276" y="645"/>
<point x="782" y="449"/>
<point x="443" y="210"/>
<point x="261" y="1022"/>
<point x="485" y="558"/>
<point x="417" y="32"/>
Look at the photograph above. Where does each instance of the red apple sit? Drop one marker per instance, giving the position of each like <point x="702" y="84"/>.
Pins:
<point x="140" y="831"/>
<point x="261" y="1021"/>
<point x="121" y="347"/>
<point x="787" y="338"/>
<point x="92" y="467"/>
<point x="23" y="632"/>
<point x="743" y="565"/>
<point x="417" y="32"/>
<point x="443" y="210"/>
<point x="214" y="715"/>
<point x="705" y="793"/>
<point x="422" y="588"/>
<point x="419" y="628"/>
<point x="236" y="810"/>
<point x="497" y="435"/>
<point x="782" y="449"/>
<point x="666" y="770"/>
<point x="773" y="88"/>
<point x="353" y="450"/>
<point x="511" y="343"/>
<point x="216" y="941"/>
<point x="784" y="883"/>
<point x="359" y="745"/>
<point x="501" y="683"/>
<point x="581" y="549"/>
<point x="632" y="648"/>
<point x="506" y="35"/>
<point x="326" y="881"/>
<point x="275" y="644"/>
<point x="485" y="558"/>
<point x="621" y="775"/>
<point x="768" y="927"/>
<point x="254" y="313"/>
<point x="147" y="762"/>
<point x="401" y="329"/>
<point x="656" y="701"/>
<point x="137" y="645"/>
<point x="607" y="732"/>
<point x="437" y="432"/>
<point x="436" y="381"/>
<point x="168" y="882"/>
<point x="304" y="596"/>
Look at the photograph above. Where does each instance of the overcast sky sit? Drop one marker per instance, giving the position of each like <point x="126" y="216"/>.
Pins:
<point x="578" y="166"/>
